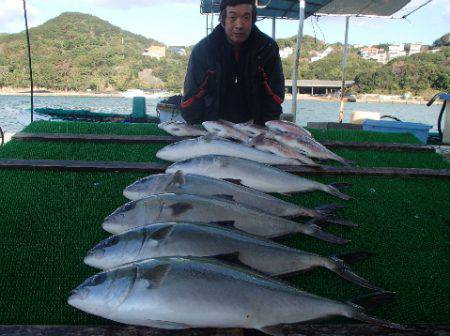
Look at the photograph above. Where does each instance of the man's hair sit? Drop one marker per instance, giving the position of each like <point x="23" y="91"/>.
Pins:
<point x="225" y="3"/>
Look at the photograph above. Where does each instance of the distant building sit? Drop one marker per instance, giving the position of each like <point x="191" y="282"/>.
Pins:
<point x="359" y="46"/>
<point x="321" y="55"/>
<point x="155" y="51"/>
<point x="377" y="54"/>
<point x="178" y="50"/>
<point x="396" y="50"/>
<point x="415" y="48"/>
<point x="285" y="52"/>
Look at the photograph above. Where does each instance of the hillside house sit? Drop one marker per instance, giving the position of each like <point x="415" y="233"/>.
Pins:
<point x="155" y="51"/>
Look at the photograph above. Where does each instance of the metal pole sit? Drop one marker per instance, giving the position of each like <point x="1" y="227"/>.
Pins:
<point x="344" y="70"/>
<point x="298" y="50"/>
<point x="212" y="22"/>
<point x="29" y="58"/>
<point x="207" y="24"/>
<point x="274" y="20"/>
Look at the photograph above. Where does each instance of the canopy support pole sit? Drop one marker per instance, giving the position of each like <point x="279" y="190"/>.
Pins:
<point x="212" y="22"/>
<point x="298" y="50"/>
<point x="344" y="70"/>
<point x="274" y="20"/>
<point x="207" y="24"/>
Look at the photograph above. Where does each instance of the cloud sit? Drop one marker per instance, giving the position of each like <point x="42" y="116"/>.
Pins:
<point x="11" y="16"/>
<point x="121" y="4"/>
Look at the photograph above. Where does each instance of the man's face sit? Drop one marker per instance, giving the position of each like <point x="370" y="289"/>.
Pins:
<point x="238" y="23"/>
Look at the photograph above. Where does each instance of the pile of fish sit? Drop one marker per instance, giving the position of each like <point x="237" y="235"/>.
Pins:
<point x="193" y="250"/>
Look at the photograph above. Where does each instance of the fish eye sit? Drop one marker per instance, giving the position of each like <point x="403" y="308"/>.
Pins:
<point x="98" y="279"/>
<point x="111" y="242"/>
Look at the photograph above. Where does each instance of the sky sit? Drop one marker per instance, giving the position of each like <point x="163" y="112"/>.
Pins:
<point x="179" y="22"/>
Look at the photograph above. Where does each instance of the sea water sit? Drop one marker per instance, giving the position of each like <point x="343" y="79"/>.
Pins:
<point x="14" y="110"/>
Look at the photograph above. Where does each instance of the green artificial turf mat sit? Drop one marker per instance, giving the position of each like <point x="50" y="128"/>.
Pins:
<point x="51" y="219"/>
<point x="93" y="128"/>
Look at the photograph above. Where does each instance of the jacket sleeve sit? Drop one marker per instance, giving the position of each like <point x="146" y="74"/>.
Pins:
<point x="271" y="107"/>
<point x="193" y="108"/>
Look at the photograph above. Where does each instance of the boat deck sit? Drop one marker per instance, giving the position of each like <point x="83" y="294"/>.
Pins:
<point x="51" y="218"/>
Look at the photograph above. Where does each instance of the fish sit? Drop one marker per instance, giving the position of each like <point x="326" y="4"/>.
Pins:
<point x="181" y="293"/>
<point x="288" y="127"/>
<point x="180" y="183"/>
<point x="253" y="174"/>
<point x="211" y="144"/>
<point x="309" y="146"/>
<point x="225" y="129"/>
<point x="193" y="208"/>
<point x="208" y="240"/>
<point x="179" y="128"/>
<point x="277" y="148"/>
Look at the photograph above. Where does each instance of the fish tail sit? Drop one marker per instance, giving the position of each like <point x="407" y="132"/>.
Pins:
<point x="325" y="219"/>
<point x="335" y="192"/>
<point x="339" y="267"/>
<point x="329" y="208"/>
<point x="316" y="232"/>
<point x="361" y="316"/>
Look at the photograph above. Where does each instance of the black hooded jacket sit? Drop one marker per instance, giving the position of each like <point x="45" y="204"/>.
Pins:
<point x="207" y="79"/>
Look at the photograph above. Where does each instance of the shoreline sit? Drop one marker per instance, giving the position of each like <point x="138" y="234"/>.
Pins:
<point x="363" y="98"/>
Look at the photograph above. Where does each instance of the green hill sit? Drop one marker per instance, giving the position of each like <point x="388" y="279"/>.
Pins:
<point x="419" y="73"/>
<point x="76" y="51"/>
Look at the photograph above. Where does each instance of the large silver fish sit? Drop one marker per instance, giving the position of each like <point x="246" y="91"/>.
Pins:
<point x="207" y="240"/>
<point x="180" y="183"/>
<point x="179" y="128"/>
<point x="225" y="129"/>
<point x="252" y="174"/>
<point x="286" y="126"/>
<point x="211" y="144"/>
<point x="193" y="208"/>
<point x="308" y="145"/>
<point x="181" y="293"/>
<point x="277" y="148"/>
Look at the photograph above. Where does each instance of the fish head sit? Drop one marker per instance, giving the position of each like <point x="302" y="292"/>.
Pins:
<point x="174" y="151"/>
<point x="150" y="185"/>
<point x="215" y="127"/>
<point x="133" y="214"/>
<point x="102" y="293"/>
<point x="109" y="253"/>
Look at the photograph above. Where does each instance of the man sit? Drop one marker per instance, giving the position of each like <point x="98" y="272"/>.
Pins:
<point x="234" y="73"/>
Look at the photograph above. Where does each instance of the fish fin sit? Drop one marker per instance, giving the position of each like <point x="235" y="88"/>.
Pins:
<point x="329" y="208"/>
<point x="233" y="259"/>
<point x="335" y="192"/>
<point x="256" y="140"/>
<point x="345" y="272"/>
<point x="229" y="224"/>
<point x="340" y="185"/>
<point x="316" y="232"/>
<point x="225" y="197"/>
<point x="178" y="179"/>
<point x="165" y="325"/>
<point x="155" y="275"/>
<point x="360" y="316"/>
<point x="276" y="330"/>
<point x="180" y="208"/>
<point x="235" y="181"/>
<point x="353" y="257"/>
<point x="162" y="233"/>
<point x="373" y="300"/>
